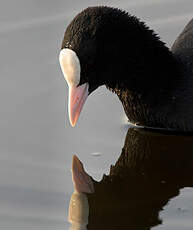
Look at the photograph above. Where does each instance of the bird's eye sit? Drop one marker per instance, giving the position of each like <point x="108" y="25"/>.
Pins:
<point x="87" y="72"/>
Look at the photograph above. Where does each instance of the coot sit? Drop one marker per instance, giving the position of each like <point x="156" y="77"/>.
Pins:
<point x="108" y="46"/>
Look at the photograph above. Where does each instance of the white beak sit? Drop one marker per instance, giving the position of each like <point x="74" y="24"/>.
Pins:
<point x="70" y="66"/>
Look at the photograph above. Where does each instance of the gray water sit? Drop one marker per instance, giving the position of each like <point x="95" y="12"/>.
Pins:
<point x="36" y="139"/>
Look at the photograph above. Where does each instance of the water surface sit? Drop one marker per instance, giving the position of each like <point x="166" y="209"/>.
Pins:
<point x="37" y="142"/>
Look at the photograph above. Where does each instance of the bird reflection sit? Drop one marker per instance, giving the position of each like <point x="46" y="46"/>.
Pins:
<point x="151" y="170"/>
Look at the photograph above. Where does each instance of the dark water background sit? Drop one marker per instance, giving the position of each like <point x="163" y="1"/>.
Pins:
<point x="36" y="140"/>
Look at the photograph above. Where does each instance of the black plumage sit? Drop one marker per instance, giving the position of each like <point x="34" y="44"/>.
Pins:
<point x="153" y="83"/>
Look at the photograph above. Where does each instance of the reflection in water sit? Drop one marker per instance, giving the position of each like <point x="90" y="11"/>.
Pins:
<point x="79" y="208"/>
<point x="151" y="169"/>
<point x="78" y="211"/>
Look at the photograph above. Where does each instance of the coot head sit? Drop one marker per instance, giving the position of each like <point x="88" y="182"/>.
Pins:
<point x="108" y="46"/>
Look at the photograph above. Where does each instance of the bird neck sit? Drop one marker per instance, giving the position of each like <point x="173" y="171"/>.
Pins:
<point x="148" y="86"/>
